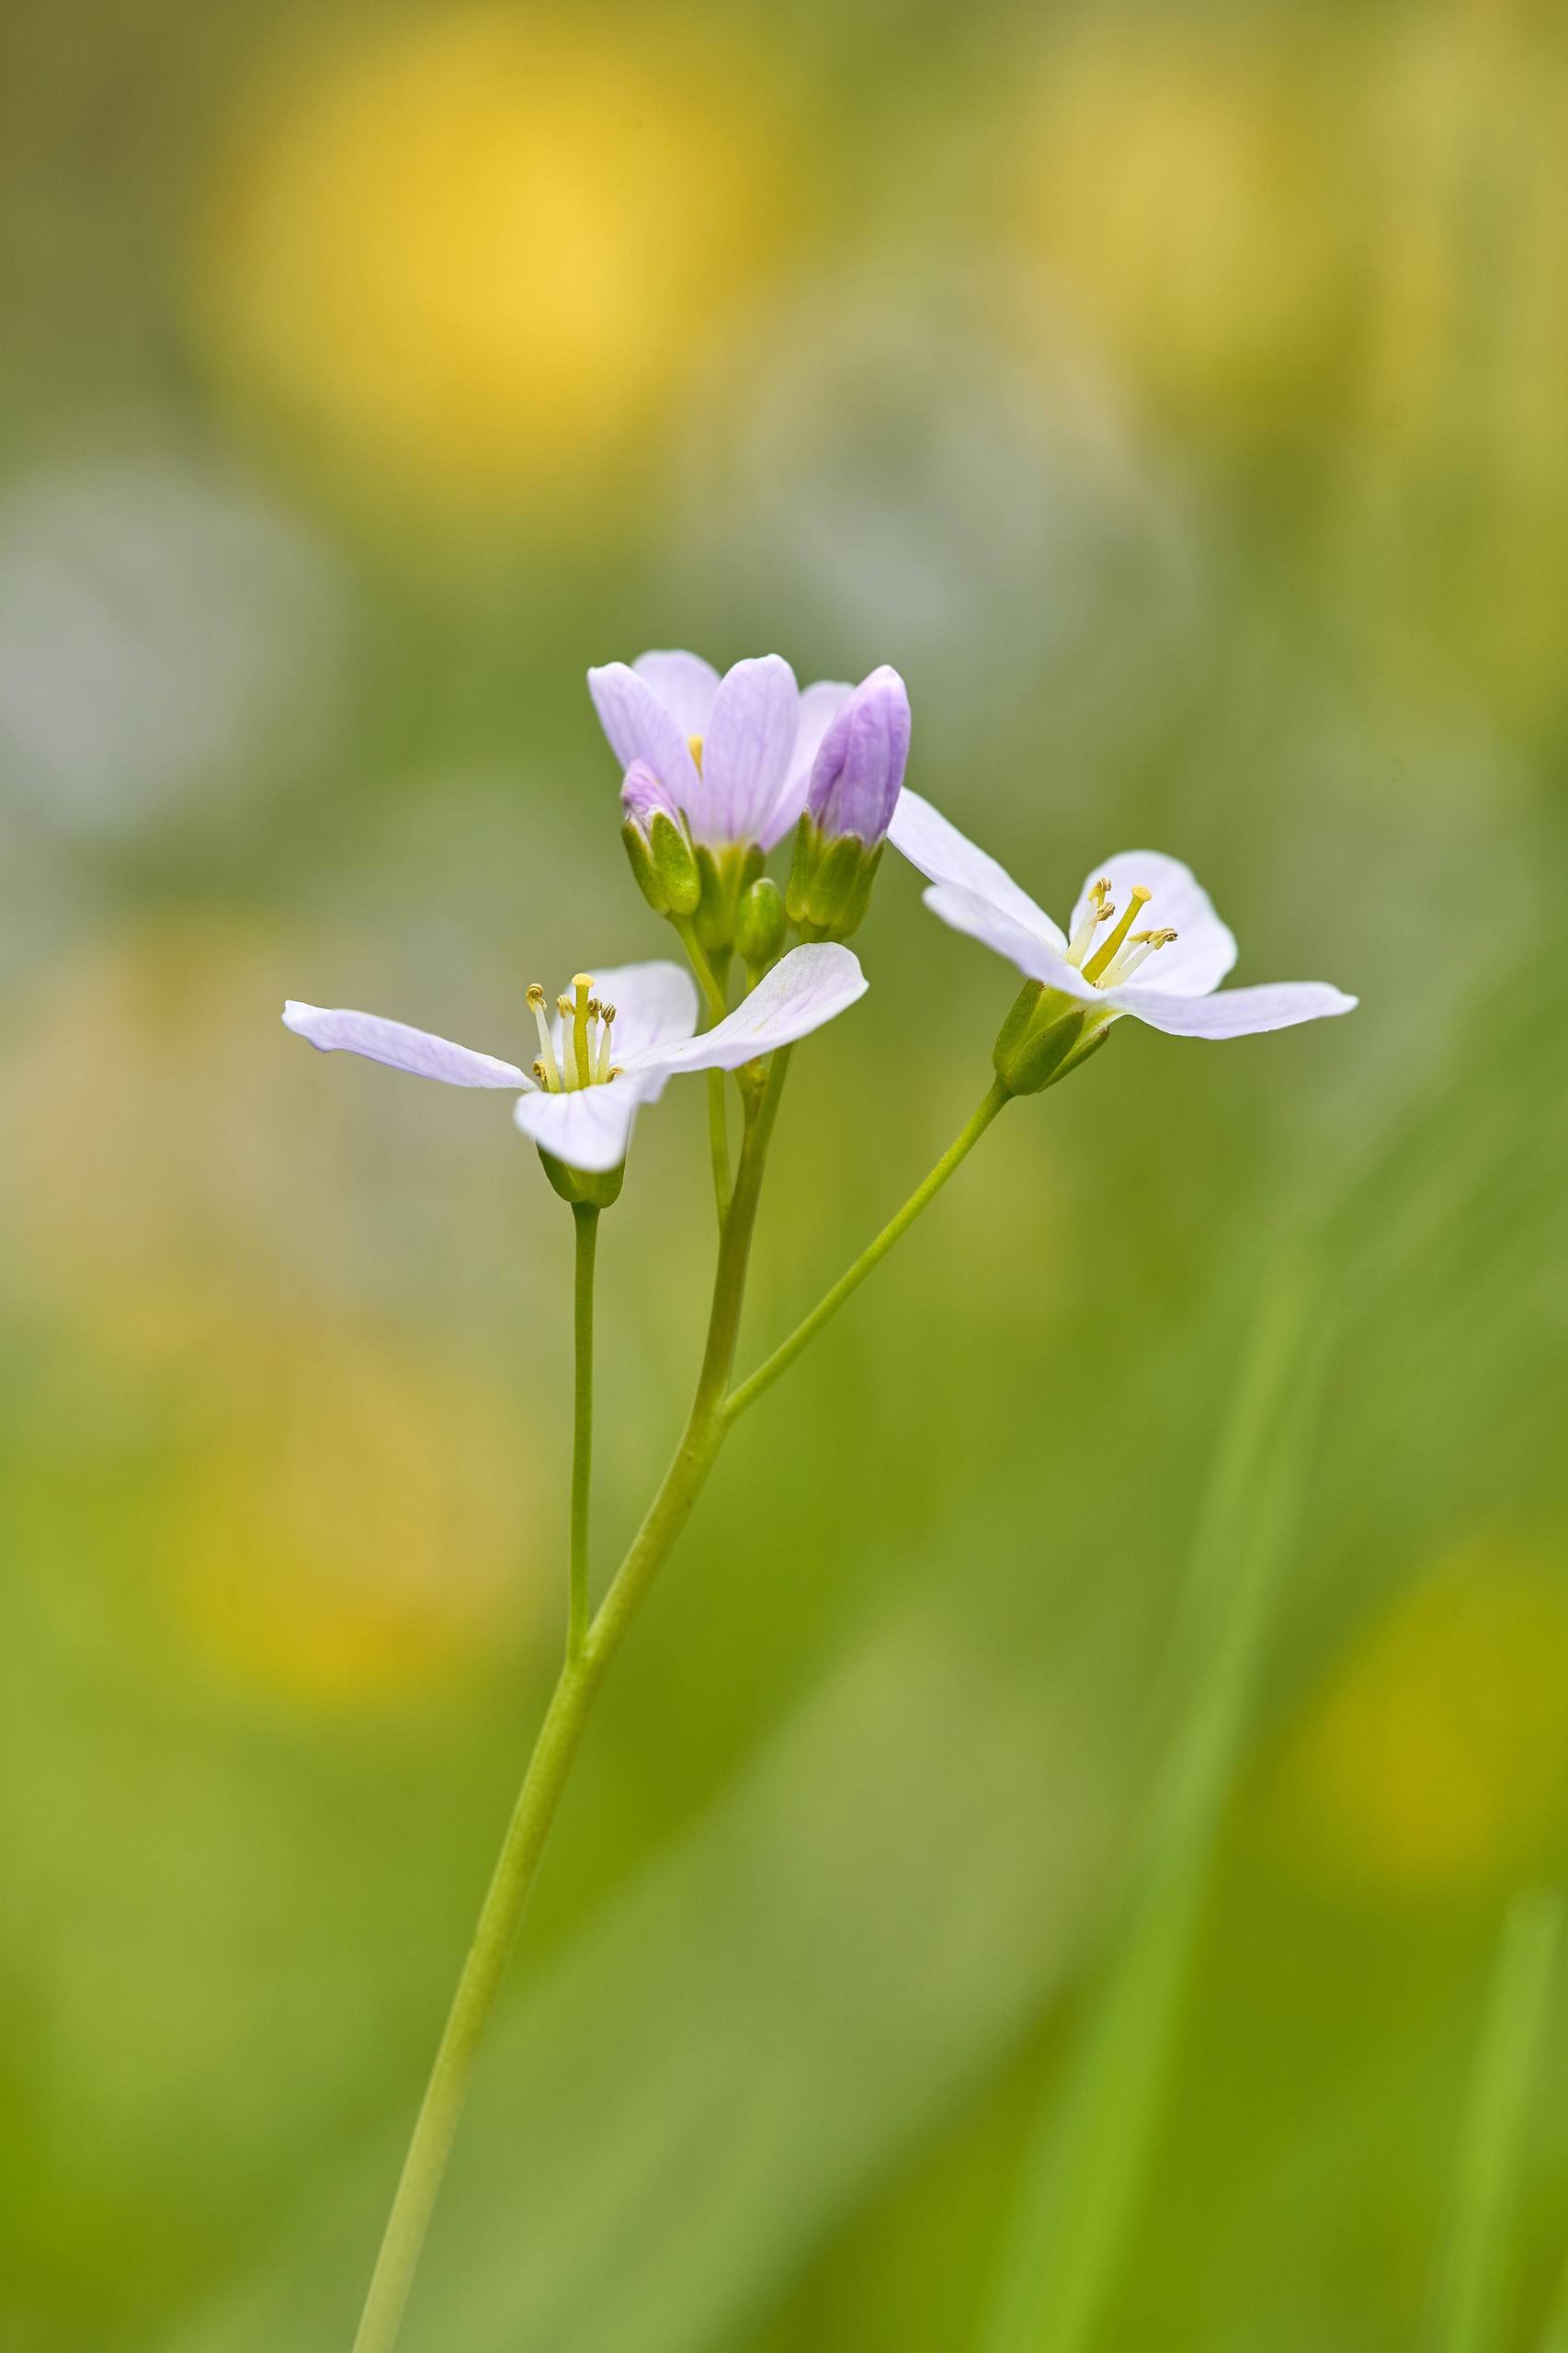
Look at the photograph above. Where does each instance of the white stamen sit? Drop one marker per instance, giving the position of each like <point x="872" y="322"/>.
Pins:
<point x="1100" y="910"/>
<point x="601" y="1067"/>
<point x="1142" y="945"/>
<point x="549" y="1076"/>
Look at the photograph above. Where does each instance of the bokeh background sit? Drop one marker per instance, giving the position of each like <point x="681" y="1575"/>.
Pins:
<point x="1068" y="1858"/>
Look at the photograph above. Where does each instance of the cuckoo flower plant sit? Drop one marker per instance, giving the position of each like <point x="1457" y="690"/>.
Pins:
<point x="716" y="772"/>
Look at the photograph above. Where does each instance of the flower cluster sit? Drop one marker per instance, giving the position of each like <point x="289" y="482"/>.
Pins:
<point x="716" y="772"/>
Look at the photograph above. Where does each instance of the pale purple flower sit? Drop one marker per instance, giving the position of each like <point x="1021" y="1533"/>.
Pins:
<point x="1140" y="913"/>
<point x="733" y="755"/>
<point x="858" y="770"/>
<point x="612" y="1046"/>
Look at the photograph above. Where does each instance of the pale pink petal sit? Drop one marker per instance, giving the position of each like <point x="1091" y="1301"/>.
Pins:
<point x="587" y="1129"/>
<point x="1231" y="1013"/>
<point x="746" y="750"/>
<point x="392" y="1042"/>
<point x="803" y="990"/>
<point x="640" y="728"/>
<point x="1203" y="949"/>
<point x="945" y="856"/>
<point x="685" y="684"/>
<point x="982" y="919"/>
<point x="819" y="705"/>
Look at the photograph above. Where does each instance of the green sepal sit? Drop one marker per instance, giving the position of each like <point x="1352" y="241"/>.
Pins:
<point x="724" y="874"/>
<point x="830" y="882"/>
<point x="584" y="1187"/>
<point x="640" y="858"/>
<point x="1046" y="1034"/>
<point x="674" y="863"/>
<point x="760" y="923"/>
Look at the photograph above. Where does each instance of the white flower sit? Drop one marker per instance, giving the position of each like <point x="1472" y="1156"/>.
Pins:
<point x="1140" y="914"/>
<point x="615" y="1041"/>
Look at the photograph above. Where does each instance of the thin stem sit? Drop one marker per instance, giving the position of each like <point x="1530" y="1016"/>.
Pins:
<point x="707" y="979"/>
<point x="712" y="984"/>
<point x="586" y="1218"/>
<point x="556" y="1746"/>
<point x="719" y="1143"/>
<point x="784" y="1355"/>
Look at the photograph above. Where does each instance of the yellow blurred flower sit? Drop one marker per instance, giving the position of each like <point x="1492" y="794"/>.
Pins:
<point x="478" y="256"/>
<point x="1438" y="1755"/>
<point x="335" y="1504"/>
<point x="1180" y="186"/>
<point x="347" y="1521"/>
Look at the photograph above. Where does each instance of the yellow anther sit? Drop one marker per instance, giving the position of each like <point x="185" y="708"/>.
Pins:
<point x="536" y="995"/>
<point x="594" y="1008"/>
<point x="1102" y="956"/>
<point x="694" y="745"/>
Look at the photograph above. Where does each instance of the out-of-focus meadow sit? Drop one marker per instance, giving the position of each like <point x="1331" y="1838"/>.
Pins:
<point x="1039" y="1875"/>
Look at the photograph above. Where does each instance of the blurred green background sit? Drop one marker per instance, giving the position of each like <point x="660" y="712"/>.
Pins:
<point x="1006" y="1899"/>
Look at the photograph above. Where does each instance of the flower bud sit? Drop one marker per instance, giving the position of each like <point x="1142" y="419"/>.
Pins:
<point x="657" y="844"/>
<point x="854" y="783"/>
<point x="759" y="924"/>
<point x="859" y="770"/>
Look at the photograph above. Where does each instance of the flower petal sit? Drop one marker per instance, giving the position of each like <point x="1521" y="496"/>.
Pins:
<point x="656" y="1004"/>
<point x="820" y="704"/>
<point x="746" y="750"/>
<point x="640" y="728"/>
<point x="803" y="990"/>
<point x="1203" y="949"/>
<point x="1231" y="1013"/>
<point x="945" y="856"/>
<point x="685" y="684"/>
<point x="590" y="1128"/>
<point x="982" y="919"/>
<point x="341" y="1031"/>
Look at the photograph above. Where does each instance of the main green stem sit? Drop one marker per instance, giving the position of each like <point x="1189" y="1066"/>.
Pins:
<point x="784" y="1355"/>
<point x="586" y="1216"/>
<point x="587" y="1662"/>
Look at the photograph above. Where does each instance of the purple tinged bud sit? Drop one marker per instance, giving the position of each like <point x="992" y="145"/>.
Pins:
<point x="859" y="770"/>
<point x="642" y="794"/>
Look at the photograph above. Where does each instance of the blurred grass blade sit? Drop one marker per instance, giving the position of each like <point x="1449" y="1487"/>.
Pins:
<point x="1472" y="2294"/>
<point x="1083" y="2181"/>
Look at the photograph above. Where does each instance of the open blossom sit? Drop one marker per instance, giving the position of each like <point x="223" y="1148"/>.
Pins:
<point x="612" y="1045"/>
<point x="1143" y="938"/>
<point x="733" y="754"/>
